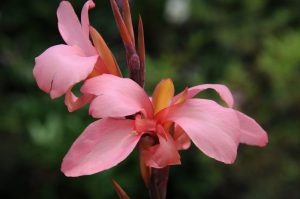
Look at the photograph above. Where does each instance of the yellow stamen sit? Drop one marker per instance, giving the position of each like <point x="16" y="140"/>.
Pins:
<point x="163" y="95"/>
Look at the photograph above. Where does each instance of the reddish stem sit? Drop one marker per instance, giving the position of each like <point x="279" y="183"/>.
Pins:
<point x="158" y="183"/>
<point x="136" y="63"/>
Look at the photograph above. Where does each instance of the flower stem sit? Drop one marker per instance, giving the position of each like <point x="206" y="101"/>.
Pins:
<point x="158" y="183"/>
<point x="159" y="177"/>
<point x="136" y="63"/>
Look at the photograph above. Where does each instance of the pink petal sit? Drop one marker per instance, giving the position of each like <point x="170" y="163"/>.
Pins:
<point x="85" y="22"/>
<point x="251" y="132"/>
<point x="60" y="67"/>
<point x="102" y="145"/>
<point x="116" y="97"/>
<point x="74" y="103"/>
<point x="162" y="154"/>
<point x="222" y="90"/>
<point x="214" y="129"/>
<point x="71" y="29"/>
<point x="182" y="141"/>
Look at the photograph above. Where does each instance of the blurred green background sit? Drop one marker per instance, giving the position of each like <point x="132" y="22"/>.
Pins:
<point x="252" y="46"/>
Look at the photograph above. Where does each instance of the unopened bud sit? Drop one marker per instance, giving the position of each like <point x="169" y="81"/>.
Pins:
<point x="119" y="2"/>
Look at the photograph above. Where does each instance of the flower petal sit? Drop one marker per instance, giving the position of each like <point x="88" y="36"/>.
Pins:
<point x="214" y="129"/>
<point x="145" y="142"/>
<point x="60" y="67"/>
<point x="71" y="30"/>
<point x="251" y="132"/>
<point x="181" y="139"/>
<point x="74" y="103"/>
<point x="222" y="90"/>
<point x="102" y="145"/>
<point x="116" y="97"/>
<point x="162" y="154"/>
<point x="85" y="22"/>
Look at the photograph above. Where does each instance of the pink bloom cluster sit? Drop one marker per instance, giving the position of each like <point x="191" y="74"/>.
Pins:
<point x="214" y="129"/>
<point x="127" y="115"/>
<point x="62" y="66"/>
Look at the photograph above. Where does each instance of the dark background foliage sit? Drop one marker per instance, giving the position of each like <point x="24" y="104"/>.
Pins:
<point x="252" y="46"/>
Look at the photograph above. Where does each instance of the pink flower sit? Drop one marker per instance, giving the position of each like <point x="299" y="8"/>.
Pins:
<point x="129" y="116"/>
<point x="61" y="66"/>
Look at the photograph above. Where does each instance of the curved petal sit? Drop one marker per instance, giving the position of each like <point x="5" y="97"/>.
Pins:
<point x="222" y="90"/>
<point x="102" y="145"/>
<point x="162" y="154"/>
<point x="60" y="67"/>
<point x="71" y="29"/>
<point x="85" y="22"/>
<point x="214" y="129"/>
<point x="116" y="97"/>
<point x="74" y="103"/>
<point x="251" y="132"/>
<point x="181" y="139"/>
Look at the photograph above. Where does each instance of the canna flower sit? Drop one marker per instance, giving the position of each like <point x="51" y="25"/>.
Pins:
<point x="62" y="66"/>
<point x="129" y="116"/>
